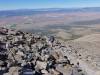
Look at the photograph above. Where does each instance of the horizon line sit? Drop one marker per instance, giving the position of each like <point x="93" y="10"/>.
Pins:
<point x="46" y="8"/>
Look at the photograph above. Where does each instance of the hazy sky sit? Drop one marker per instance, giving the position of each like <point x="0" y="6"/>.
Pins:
<point x="31" y="4"/>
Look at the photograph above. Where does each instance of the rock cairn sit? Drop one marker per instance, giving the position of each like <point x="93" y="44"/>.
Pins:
<point x="24" y="53"/>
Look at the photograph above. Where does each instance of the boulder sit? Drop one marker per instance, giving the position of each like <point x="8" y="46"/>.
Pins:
<point x="41" y="65"/>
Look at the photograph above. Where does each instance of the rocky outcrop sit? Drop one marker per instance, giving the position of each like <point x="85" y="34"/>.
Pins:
<point x="24" y="53"/>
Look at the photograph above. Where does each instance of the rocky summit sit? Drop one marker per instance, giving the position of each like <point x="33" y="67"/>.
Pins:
<point x="24" y="53"/>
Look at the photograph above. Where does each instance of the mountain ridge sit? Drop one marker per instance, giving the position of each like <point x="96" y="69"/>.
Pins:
<point x="24" y="12"/>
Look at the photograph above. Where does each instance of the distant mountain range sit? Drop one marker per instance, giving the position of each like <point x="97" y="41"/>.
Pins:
<point x="24" y="12"/>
